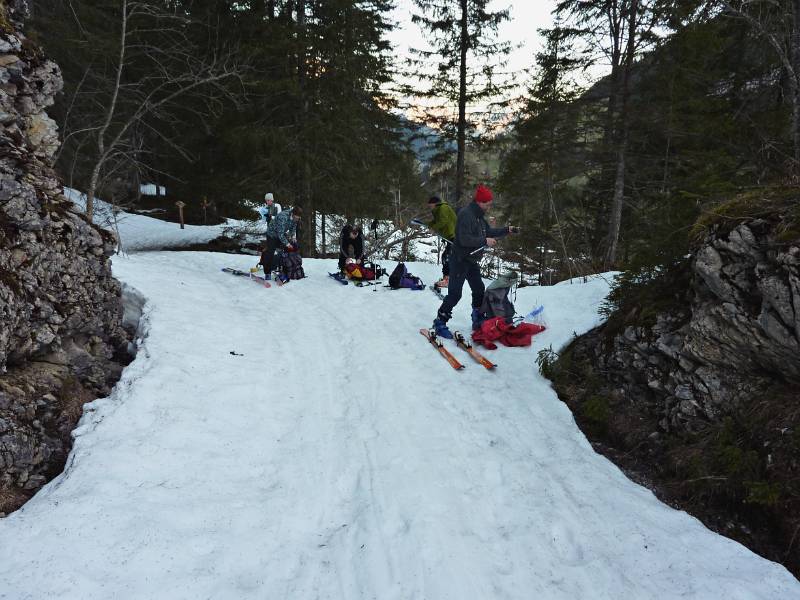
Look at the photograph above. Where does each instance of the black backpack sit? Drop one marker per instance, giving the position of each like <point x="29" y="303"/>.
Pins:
<point x="292" y="265"/>
<point x="394" y="278"/>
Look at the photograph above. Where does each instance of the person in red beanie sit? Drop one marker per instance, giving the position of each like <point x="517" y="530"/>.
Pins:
<point x="473" y="236"/>
<point x="483" y="195"/>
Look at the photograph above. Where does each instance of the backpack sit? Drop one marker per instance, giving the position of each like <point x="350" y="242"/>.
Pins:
<point x="292" y="265"/>
<point x="361" y="272"/>
<point x="379" y="270"/>
<point x="401" y="278"/>
<point x="495" y="299"/>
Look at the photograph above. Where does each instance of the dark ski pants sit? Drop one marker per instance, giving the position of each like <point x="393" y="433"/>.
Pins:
<point x="461" y="269"/>
<point x="268" y="256"/>
<point x="446" y="259"/>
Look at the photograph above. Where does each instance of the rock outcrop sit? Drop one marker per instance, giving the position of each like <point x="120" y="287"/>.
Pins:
<point x="737" y="335"/>
<point x="693" y="384"/>
<point x="61" y="336"/>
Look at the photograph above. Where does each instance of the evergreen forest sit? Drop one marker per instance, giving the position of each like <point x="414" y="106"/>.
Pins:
<point x="635" y="117"/>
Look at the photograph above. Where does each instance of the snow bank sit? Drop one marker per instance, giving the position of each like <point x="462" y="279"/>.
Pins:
<point x="306" y="442"/>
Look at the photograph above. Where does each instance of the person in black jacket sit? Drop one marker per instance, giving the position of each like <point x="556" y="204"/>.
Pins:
<point x="473" y="236"/>
<point x="351" y="245"/>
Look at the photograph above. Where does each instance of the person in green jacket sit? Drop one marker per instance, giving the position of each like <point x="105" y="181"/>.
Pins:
<point x="443" y="223"/>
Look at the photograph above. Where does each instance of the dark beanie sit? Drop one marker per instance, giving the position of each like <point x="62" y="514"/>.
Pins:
<point x="434" y="200"/>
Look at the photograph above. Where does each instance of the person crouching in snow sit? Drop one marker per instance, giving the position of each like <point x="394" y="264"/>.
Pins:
<point x="351" y="245"/>
<point x="472" y="236"/>
<point x="281" y="233"/>
<point x="443" y="223"/>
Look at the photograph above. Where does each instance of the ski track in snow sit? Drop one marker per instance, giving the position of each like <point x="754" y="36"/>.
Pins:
<point x="341" y="458"/>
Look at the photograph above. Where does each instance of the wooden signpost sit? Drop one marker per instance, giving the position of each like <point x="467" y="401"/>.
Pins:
<point x="204" y="204"/>
<point x="180" y="206"/>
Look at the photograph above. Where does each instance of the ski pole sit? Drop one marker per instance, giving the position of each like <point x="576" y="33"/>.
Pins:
<point x="441" y="237"/>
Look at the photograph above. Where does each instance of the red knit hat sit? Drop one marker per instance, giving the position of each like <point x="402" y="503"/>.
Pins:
<point x="483" y="194"/>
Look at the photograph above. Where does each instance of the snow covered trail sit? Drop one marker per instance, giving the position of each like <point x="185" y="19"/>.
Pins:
<point x="335" y="455"/>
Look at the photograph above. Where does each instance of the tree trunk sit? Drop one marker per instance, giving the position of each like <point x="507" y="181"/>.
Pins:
<point x="615" y="220"/>
<point x="101" y="134"/>
<point x="610" y="126"/>
<point x="795" y="57"/>
<point x="665" y="177"/>
<point x="309" y="241"/>
<point x="324" y="236"/>
<point x="462" y="103"/>
<point x="92" y="190"/>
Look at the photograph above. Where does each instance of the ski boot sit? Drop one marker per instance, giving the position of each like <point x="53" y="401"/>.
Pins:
<point x="477" y="319"/>
<point x="441" y="329"/>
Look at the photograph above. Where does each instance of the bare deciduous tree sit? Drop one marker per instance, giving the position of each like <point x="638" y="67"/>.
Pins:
<point x="157" y="77"/>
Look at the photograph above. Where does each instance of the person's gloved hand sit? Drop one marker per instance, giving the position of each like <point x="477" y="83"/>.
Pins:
<point x="513" y="229"/>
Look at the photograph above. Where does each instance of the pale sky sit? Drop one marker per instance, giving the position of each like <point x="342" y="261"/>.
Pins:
<point x="526" y="17"/>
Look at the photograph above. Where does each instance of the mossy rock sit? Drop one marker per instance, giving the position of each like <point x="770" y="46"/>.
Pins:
<point x="5" y="22"/>
<point x="764" y="493"/>
<point x="597" y="410"/>
<point x="778" y="205"/>
<point x="638" y="298"/>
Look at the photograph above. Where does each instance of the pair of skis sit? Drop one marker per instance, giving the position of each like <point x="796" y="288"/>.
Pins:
<point x="251" y="276"/>
<point x="358" y="283"/>
<point x="463" y="343"/>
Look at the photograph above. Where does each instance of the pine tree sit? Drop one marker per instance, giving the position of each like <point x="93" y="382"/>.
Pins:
<point x="314" y="125"/>
<point x="777" y="23"/>
<point x="615" y="31"/>
<point x="463" y="38"/>
<point x="547" y="153"/>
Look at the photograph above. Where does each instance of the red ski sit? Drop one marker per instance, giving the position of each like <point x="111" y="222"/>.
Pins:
<point x="431" y="336"/>
<point x="251" y="276"/>
<point x="463" y="343"/>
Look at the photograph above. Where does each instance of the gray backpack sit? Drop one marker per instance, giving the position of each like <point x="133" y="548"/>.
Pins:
<point x="495" y="298"/>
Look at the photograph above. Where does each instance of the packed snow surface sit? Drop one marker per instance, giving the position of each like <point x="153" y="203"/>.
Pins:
<point x="138" y="233"/>
<point x="305" y="442"/>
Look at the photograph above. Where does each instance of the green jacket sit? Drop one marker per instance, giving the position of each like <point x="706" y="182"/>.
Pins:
<point x="444" y="221"/>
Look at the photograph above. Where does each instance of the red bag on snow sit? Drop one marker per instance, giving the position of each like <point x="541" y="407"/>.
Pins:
<point x="496" y="329"/>
<point x="356" y="271"/>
